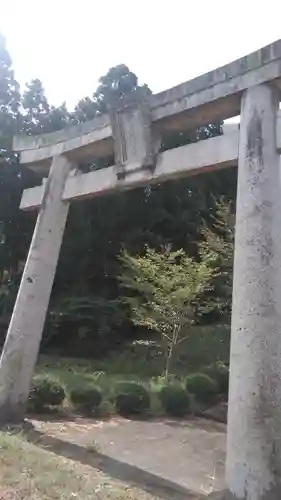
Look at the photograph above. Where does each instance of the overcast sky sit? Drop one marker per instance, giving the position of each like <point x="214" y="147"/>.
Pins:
<point x="70" y="45"/>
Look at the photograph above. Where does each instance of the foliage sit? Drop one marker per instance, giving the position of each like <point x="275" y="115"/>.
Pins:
<point x="106" y="409"/>
<point x="203" y="347"/>
<point x="44" y="393"/>
<point x="38" y="115"/>
<point x="219" y="371"/>
<point x="86" y="399"/>
<point x="87" y="287"/>
<point x="219" y="238"/>
<point x="165" y="291"/>
<point x="9" y="102"/>
<point x="131" y="398"/>
<point x="109" y="373"/>
<point x="131" y="363"/>
<point x="203" y="387"/>
<point x="118" y="82"/>
<point x="175" y="400"/>
<point x="81" y="316"/>
<point x="13" y="224"/>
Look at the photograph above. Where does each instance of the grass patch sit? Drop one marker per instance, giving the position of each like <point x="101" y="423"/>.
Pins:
<point x="138" y="363"/>
<point x="29" y="472"/>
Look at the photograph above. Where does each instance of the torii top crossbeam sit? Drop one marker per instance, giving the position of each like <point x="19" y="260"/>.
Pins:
<point x="208" y="98"/>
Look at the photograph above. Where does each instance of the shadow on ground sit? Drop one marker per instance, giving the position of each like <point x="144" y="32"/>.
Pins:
<point x="152" y="483"/>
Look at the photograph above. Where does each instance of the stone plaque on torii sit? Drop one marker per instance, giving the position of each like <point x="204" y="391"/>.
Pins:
<point x="250" y="87"/>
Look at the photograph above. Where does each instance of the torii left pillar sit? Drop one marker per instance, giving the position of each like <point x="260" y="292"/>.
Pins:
<point x="25" y="331"/>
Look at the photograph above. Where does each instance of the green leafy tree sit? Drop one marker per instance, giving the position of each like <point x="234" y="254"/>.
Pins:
<point x="219" y="239"/>
<point x="116" y="84"/>
<point x="38" y="115"/>
<point x="9" y="102"/>
<point x="36" y="107"/>
<point x="165" y="291"/>
<point x="86" y="109"/>
<point x="89" y="265"/>
<point x="13" y="224"/>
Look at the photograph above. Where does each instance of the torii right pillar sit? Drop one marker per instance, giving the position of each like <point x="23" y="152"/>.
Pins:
<point x="253" y="469"/>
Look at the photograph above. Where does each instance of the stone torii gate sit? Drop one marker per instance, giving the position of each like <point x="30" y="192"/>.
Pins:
<point x="250" y="87"/>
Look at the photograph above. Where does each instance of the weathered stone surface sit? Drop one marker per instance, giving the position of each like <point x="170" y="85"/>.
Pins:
<point x="21" y="347"/>
<point x="218" y="495"/>
<point x="215" y="153"/>
<point x="208" y="98"/>
<point x="253" y="470"/>
<point x="219" y="87"/>
<point x="250" y="62"/>
<point x="218" y="152"/>
<point x="22" y="143"/>
<point x="96" y="143"/>
<point x="254" y="418"/>
<point x="132" y="135"/>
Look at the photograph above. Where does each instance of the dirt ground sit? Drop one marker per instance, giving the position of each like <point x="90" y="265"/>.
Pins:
<point x="185" y="456"/>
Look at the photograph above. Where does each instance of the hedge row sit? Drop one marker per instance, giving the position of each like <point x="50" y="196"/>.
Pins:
<point x="131" y="398"/>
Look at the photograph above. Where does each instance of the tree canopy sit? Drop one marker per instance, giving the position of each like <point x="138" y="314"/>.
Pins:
<point x="86" y="294"/>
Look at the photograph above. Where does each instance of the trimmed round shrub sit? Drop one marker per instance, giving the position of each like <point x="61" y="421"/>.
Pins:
<point x="175" y="400"/>
<point x="86" y="399"/>
<point x="203" y="387"/>
<point x="45" y="393"/>
<point x="131" y="398"/>
<point x="219" y="371"/>
<point x="106" y="409"/>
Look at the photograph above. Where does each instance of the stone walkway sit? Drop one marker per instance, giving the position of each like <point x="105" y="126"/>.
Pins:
<point x="186" y="454"/>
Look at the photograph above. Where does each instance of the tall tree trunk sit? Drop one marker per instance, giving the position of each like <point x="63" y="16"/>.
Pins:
<point x="168" y="361"/>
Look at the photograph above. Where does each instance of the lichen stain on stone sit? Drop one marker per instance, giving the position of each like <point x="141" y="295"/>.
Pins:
<point x="43" y="204"/>
<point x="253" y="60"/>
<point x="46" y="194"/>
<point x="267" y="250"/>
<point x="254" y="147"/>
